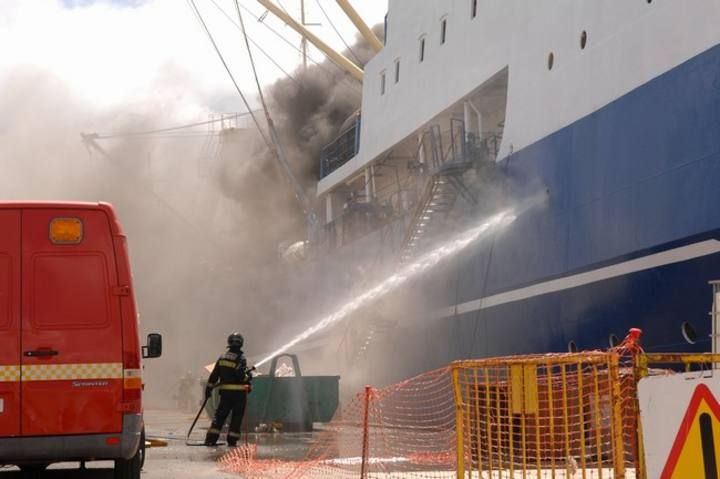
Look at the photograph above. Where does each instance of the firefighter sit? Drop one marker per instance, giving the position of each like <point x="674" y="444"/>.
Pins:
<point x="232" y="378"/>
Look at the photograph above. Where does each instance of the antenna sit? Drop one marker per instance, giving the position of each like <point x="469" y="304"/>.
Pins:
<point x="304" y="42"/>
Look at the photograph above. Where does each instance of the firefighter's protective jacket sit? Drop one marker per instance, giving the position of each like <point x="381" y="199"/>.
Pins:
<point x="230" y="372"/>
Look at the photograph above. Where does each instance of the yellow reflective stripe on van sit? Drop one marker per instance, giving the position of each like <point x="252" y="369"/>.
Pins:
<point x="9" y="374"/>
<point x="61" y="372"/>
<point x="67" y="372"/>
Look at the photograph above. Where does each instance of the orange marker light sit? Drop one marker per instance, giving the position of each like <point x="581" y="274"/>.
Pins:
<point x="133" y="383"/>
<point x="66" y="231"/>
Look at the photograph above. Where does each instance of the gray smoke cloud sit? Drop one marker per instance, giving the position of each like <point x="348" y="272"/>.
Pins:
<point x="308" y="111"/>
<point x="204" y="223"/>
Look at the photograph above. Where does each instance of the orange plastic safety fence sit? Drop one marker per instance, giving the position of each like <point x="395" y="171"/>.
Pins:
<point x="405" y="430"/>
<point x="546" y="416"/>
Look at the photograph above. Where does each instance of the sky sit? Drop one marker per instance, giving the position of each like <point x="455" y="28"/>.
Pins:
<point x="122" y="53"/>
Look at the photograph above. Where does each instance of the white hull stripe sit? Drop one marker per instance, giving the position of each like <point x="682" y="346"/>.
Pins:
<point x="676" y="255"/>
<point x="60" y="372"/>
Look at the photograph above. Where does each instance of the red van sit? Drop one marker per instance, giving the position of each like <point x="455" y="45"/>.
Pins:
<point x="70" y="355"/>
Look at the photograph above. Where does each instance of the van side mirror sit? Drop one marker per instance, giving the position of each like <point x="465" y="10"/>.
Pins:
<point x="154" y="346"/>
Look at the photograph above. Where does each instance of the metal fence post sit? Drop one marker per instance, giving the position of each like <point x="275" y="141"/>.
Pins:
<point x="366" y="433"/>
<point x="459" y="430"/>
<point x="617" y="417"/>
<point x="640" y="370"/>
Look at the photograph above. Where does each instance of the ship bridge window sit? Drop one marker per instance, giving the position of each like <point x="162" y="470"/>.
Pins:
<point x="583" y="40"/>
<point x="397" y="70"/>
<point x="382" y="82"/>
<point x="443" y="30"/>
<point x="473" y="8"/>
<point x="422" y="49"/>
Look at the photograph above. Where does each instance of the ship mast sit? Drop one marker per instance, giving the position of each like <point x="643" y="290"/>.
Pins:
<point x="336" y="57"/>
<point x="303" y="42"/>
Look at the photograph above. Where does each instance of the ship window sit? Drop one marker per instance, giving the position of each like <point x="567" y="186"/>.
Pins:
<point x="583" y="40"/>
<point x="551" y="60"/>
<point x="422" y="49"/>
<point x="613" y="340"/>
<point x="397" y="70"/>
<point x="473" y="8"/>
<point x="689" y="333"/>
<point x="443" y="30"/>
<point x="572" y="347"/>
<point x="382" y="83"/>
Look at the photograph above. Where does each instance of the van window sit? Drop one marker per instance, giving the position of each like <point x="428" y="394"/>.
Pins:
<point x="5" y="285"/>
<point x="69" y="291"/>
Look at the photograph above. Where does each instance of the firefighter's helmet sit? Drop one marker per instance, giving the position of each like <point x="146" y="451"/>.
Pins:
<point x="235" y="340"/>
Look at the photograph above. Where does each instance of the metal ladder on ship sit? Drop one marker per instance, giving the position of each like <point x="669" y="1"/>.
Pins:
<point x="444" y="186"/>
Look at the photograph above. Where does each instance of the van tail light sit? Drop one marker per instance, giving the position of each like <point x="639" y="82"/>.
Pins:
<point x="132" y="391"/>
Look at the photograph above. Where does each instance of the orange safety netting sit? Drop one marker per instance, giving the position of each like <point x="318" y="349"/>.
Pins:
<point x="537" y="416"/>
<point x="407" y="428"/>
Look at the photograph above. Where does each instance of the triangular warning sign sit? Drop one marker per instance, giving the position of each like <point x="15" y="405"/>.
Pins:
<point x="696" y="450"/>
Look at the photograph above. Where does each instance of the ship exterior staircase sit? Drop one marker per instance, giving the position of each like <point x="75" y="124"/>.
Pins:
<point x="445" y="184"/>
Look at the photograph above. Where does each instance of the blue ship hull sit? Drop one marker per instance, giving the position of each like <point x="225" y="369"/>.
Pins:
<point x="638" y="177"/>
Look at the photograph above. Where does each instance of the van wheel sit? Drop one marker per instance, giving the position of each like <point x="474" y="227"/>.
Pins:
<point x="128" y="469"/>
<point x="32" y="471"/>
<point x="34" y="467"/>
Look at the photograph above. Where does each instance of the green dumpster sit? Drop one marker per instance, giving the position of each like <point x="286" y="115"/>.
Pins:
<point x="288" y="404"/>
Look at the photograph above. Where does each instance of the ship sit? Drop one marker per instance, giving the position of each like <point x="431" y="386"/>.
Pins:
<point x="609" y="110"/>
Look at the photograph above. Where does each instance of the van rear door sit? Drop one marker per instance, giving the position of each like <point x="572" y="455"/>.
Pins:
<point x="71" y="330"/>
<point x="9" y="323"/>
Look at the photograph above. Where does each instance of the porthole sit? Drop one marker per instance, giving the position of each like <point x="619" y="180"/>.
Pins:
<point x="689" y="333"/>
<point x="551" y="60"/>
<point x="613" y="340"/>
<point x="583" y="40"/>
<point x="572" y="347"/>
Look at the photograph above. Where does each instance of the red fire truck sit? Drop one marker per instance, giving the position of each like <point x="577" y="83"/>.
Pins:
<point x="70" y="355"/>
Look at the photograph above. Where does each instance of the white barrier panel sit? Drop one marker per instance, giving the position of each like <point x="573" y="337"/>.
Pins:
<point x="680" y="417"/>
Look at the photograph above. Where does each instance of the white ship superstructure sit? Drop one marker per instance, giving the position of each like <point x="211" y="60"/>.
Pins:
<point x="611" y="109"/>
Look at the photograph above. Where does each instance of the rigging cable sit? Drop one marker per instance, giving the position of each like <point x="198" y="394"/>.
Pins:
<point x="171" y="129"/>
<point x="260" y="19"/>
<point x="342" y="39"/>
<point x="229" y="72"/>
<point x="267" y="55"/>
<point x="277" y="147"/>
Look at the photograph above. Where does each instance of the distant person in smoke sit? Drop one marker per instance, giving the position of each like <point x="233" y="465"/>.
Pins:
<point x="232" y="378"/>
<point x="185" y="392"/>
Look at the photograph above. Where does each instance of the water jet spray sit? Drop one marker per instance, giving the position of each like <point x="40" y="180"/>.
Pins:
<point x="407" y="272"/>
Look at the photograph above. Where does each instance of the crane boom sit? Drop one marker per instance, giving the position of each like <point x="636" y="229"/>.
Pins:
<point x="362" y="27"/>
